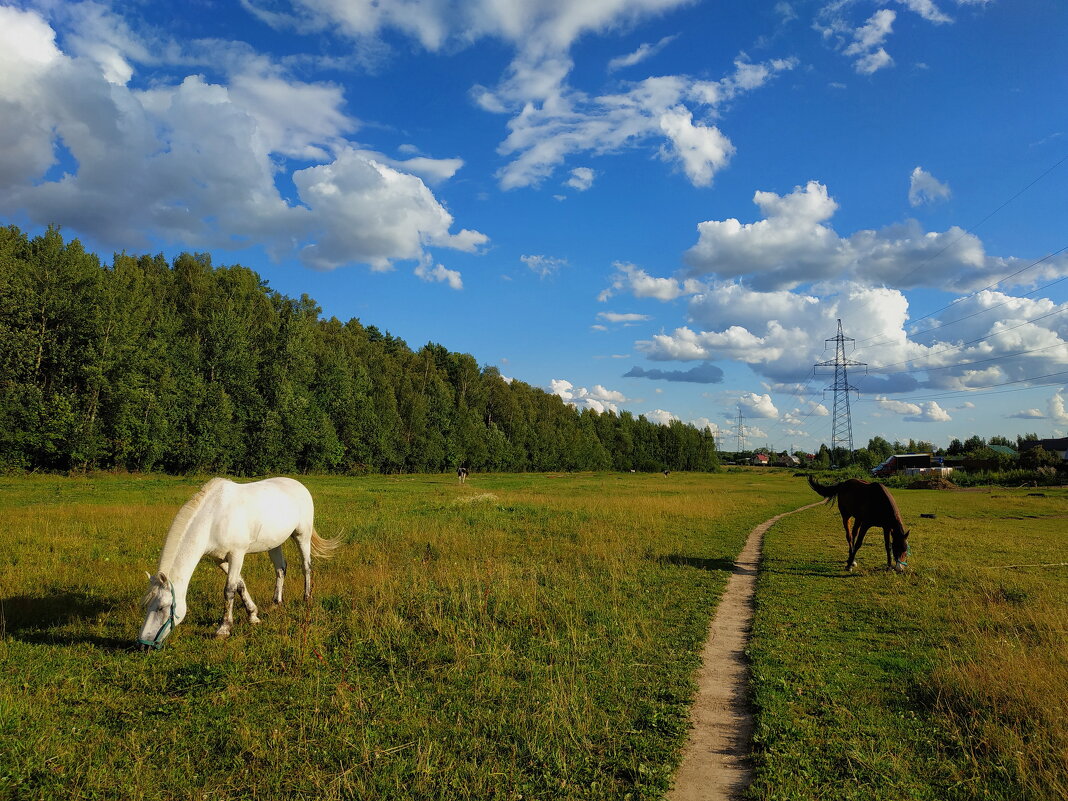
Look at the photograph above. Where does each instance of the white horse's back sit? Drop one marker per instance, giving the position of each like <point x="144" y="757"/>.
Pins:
<point x="254" y="517"/>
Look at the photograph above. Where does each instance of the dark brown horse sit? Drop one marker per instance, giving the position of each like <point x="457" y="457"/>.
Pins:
<point x="869" y="505"/>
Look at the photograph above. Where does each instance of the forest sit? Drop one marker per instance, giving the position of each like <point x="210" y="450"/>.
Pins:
<point x="185" y="367"/>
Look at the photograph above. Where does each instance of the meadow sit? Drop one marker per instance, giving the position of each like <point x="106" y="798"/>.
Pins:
<point x="519" y="636"/>
<point x="947" y="682"/>
<point x="534" y="636"/>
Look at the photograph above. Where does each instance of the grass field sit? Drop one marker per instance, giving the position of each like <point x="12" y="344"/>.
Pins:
<point x="524" y="636"/>
<point x="948" y="682"/>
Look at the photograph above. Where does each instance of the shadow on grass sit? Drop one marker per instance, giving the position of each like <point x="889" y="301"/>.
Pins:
<point x="834" y="570"/>
<point x="700" y="563"/>
<point x="39" y="618"/>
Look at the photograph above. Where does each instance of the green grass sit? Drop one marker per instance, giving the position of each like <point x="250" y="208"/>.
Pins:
<point x="526" y="636"/>
<point x="948" y="682"/>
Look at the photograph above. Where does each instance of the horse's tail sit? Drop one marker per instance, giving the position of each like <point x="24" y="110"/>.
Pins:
<point x="827" y="492"/>
<point x="324" y="549"/>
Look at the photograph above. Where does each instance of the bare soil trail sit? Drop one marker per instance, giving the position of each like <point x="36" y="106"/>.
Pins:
<point x="714" y="766"/>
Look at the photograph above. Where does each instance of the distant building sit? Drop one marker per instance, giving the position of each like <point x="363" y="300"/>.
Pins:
<point x="1057" y="446"/>
<point x="1004" y="450"/>
<point x="787" y="460"/>
<point x="760" y="460"/>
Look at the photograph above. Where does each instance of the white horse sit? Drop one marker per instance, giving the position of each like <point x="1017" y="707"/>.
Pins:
<point x="225" y="521"/>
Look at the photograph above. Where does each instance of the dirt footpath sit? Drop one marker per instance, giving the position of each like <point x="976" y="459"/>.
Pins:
<point x="714" y="766"/>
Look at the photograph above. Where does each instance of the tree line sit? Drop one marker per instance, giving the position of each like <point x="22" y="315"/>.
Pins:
<point x="184" y="367"/>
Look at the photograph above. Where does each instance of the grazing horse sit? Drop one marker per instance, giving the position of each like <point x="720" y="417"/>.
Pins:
<point x="225" y="521"/>
<point x="869" y="505"/>
<point x="461" y="474"/>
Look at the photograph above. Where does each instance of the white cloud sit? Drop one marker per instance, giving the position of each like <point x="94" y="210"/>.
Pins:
<point x="926" y="9"/>
<point x="660" y="416"/>
<point x="927" y="412"/>
<point x="195" y="162"/>
<point x="925" y="188"/>
<point x="553" y="122"/>
<point x="625" y="318"/>
<point x="1057" y="411"/>
<point x="439" y="273"/>
<point x="543" y="266"/>
<point x="793" y="244"/>
<point x="758" y="405"/>
<point x="581" y="179"/>
<point x="868" y="40"/>
<point x="599" y="398"/>
<point x="644" y="51"/>
<point x="642" y="285"/>
<point x="1028" y="414"/>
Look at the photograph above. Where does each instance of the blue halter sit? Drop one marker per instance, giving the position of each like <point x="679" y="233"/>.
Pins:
<point x="157" y="642"/>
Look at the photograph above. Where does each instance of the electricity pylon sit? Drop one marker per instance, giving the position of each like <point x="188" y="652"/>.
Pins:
<point x="841" y="424"/>
<point x="741" y="431"/>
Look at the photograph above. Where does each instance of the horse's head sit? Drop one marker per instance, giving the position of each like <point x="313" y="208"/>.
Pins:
<point x="161" y="612"/>
<point x="900" y="541"/>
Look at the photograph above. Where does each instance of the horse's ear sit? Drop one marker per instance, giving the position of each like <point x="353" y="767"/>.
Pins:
<point x="907" y="533"/>
<point x="161" y="577"/>
<point x="148" y="575"/>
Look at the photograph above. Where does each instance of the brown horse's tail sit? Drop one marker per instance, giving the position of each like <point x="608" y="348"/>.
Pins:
<point x="324" y="549"/>
<point x="827" y="492"/>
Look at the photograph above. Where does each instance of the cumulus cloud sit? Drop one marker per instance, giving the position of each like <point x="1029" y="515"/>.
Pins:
<point x="925" y="188"/>
<point x="543" y="266"/>
<point x="639" y="283"/>
<point x="868" y="40"/>
<point x="581" y="179"/>
<point x="599" y="398"/>
<point x="793" y="244"/>
<point x="660" y="416"/>
<point x="703" y="374"/>
<point x="1028" y="414"/>
<point x="927" y="412"/>
<point x="1057" y="411"/>
<point x="195" y="162"/>
<point x="758" y="405"/>
<point x="439" y="273"/>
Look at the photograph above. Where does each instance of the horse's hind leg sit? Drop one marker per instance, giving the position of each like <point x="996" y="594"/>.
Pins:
<point x="858" y="538"/>
<point x="304" y="543"/>
<point x="279" y="560"/>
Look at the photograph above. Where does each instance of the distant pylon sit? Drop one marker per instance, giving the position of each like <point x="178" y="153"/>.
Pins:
<point x="841" y="423"/>
<point x="741" y="431"/>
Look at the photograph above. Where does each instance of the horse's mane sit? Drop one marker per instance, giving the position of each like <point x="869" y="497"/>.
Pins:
<point x="181" y="522"/>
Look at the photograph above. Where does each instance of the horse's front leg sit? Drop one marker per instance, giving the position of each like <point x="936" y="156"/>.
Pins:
<point x="889" y="554"/>
<point x="235" y="585"/>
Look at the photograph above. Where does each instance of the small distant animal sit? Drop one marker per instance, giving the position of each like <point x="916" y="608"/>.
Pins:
<point x="667" y="472"/>
<point x="461" y="474"/>
<point x="225" y="521"/>
<point x="869" y="505"/>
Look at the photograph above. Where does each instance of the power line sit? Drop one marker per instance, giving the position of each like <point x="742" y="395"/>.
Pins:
<point x="974" y="390"/>
<point x="976" y="361"/>
<point x="972" y="341"/>
<point x="971" y="295"/>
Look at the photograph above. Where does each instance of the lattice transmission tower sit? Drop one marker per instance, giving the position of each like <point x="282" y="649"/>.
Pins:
<point x="841" y="423"/>
<point x="740" y="430"/>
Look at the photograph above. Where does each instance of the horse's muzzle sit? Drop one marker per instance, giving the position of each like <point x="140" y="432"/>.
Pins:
<point x="143" y="647"/>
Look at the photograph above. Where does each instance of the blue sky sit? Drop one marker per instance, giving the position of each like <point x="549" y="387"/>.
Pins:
<point x="653" y="205"/>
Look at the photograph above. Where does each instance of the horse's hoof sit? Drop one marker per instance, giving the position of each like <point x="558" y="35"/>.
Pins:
<point x="222" y="634"/>
<point x="254" y="619"/>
